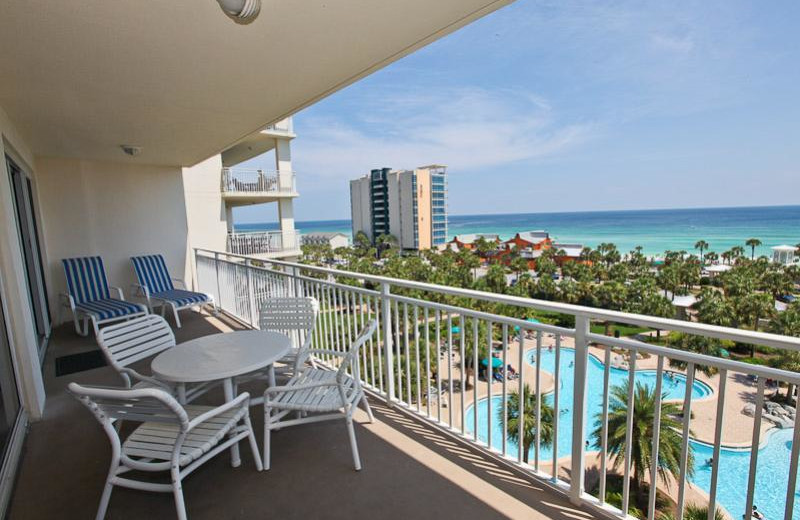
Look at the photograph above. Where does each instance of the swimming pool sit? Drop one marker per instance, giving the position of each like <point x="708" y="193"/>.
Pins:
<point x="773" y="465"/>
<point x="673" y="387"/>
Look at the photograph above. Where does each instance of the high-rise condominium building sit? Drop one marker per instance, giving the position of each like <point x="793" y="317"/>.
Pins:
<point x="410" y="205"/>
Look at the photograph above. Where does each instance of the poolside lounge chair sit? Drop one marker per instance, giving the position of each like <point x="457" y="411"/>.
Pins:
<point x="89" y="298"/>
<point x="158" y="287"/>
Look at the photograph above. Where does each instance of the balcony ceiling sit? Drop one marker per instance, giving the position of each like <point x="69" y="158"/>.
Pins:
<point x="184" y="82"/>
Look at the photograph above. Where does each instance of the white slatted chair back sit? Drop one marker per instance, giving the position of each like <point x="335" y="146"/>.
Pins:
<point x="134" y="340"/>
<point x="294" y="317"/>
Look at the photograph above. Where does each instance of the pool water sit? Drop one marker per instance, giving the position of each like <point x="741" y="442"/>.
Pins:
<point x="674" y="388"/>
<point x="773" y="465"/>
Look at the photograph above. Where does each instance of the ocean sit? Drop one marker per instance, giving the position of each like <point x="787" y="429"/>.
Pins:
<point x="655" y="230"/>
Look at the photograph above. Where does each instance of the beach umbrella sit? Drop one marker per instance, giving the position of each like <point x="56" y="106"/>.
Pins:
<point x="496" y="362"/>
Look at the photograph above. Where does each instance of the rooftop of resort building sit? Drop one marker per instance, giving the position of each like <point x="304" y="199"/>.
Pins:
<point x="470" y="238"/>
<point x="533" y="236"/>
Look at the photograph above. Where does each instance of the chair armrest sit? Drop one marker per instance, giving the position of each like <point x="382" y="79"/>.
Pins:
<point x="242" y="401"/>
<point x="133" y="374"/>
<point x="179" y="282"/>
<point x="326" y="352"/>
<point x="120" y="295"/>
<point x="138" y="289"/>
<point x="295" y="388"/>
<point x="67" y="299"/>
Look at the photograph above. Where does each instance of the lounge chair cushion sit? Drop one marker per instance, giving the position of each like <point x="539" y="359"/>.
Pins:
<point x="86" y="279"/>
<point x="181" y="298"/>
<point x="109" y="308"/>
<point x="151" y="270"/>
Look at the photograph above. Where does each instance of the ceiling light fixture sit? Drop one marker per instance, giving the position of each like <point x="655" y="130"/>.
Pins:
<point x="131" y="150"/>
<point x="241" y="11"/>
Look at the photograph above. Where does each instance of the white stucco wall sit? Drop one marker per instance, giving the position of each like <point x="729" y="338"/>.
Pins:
<point x="205" y="210"/>
<point x="13" y="282"/>
<point x="112" y="209"/>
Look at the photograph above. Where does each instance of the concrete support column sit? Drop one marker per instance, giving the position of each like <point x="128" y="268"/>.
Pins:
<point x="283" y="164"/>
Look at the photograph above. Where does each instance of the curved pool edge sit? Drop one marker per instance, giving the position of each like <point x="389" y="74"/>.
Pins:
<point x="712" y="391"/>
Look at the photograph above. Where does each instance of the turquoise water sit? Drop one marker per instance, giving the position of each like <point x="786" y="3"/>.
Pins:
<point x="673" y="387"/>
<point x="655" y="230"/>
<point x="773" y="461"/>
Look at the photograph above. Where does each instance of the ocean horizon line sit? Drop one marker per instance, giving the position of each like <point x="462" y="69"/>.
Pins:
<point x="551" y="213"/>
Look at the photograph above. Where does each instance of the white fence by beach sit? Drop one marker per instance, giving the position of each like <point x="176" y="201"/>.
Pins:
<point x="432" y="382"/>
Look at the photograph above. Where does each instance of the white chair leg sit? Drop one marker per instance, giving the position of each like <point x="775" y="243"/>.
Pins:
<point x="175" y="313"/>
<point x="367" y="408"/>
<point x="351" y="432"/>
<point x="177" y="491"/>
<point x="265" y="458"/>
<point x="106" y="496"/>
<point x="77" y="323"/>
<point x="251" y="436"/>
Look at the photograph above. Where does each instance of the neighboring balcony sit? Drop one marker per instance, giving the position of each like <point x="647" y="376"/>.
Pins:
<point x="265" y="243"/>
<point x="240" y="186"/>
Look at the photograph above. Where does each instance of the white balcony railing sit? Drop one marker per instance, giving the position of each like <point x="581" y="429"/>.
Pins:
<point x="429" y="354"/>
<point x="235" y="180"/>
<point x="262" y="242"/>
<point x="284" y="125"/>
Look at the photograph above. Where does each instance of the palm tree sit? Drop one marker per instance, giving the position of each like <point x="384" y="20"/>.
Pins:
<point x="752" y="243"/>
<point x="788" y="324"/>
<point x="528" y="419"/>
<point x="702" y="245"/>
<point x="695" y="512"/>
<point x="669" y="446"/>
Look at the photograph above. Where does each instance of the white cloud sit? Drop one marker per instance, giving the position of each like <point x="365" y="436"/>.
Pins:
<point x="468" y="129"/>
<point x="680" y="45"/>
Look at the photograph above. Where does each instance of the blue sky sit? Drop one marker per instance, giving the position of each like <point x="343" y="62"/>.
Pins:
<point x="574" y="106"/>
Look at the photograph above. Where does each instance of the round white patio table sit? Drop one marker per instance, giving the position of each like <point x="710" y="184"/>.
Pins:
<point x="221" y="357"/>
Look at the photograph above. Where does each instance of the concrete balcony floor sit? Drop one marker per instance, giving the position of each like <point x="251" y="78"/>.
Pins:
<point x="411" y="470"/>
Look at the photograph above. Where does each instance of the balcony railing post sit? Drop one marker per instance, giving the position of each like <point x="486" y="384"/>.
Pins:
<point x="388" y="348"/>
<point x="251" y="293"/>
<point x="216" y="269"/>
<point x="579" y="409"/>
<point x="298" y="289"/>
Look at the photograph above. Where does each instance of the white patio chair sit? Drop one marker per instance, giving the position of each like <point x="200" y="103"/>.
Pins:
<point x="294" y="317"/>
<point x="334" y="394"/>
<point x="171" y="437"/>
<point x="140" y="338"/>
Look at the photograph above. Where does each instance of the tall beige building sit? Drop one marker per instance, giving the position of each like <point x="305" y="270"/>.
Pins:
<point x="410" y="205"/>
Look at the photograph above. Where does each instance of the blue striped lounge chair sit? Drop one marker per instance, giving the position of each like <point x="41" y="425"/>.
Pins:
<point x="89" y="295"/>
<point x="156" y="285"/>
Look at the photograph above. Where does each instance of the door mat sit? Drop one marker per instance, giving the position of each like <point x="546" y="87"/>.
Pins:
<point x="66" y="365"/>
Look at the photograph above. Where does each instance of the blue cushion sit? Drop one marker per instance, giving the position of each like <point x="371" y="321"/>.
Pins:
<point x="181" y="298"/>
<point x="86" y="279"/>
<point x="109" y="308"/>
<point x="151" y="270"/>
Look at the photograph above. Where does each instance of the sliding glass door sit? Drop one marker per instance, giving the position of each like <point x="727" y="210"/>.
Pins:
<point x="29" y="242"/>
<point x="9" y="400"/>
